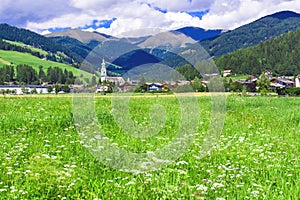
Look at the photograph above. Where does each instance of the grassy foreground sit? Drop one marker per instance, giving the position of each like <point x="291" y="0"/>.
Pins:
<point x="256" y="156"/>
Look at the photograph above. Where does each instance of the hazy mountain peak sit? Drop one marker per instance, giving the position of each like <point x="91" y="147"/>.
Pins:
<point x="167" y="40"/>
<point x="82" y="36"/>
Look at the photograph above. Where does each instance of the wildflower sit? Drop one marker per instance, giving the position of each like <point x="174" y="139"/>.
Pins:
<point x="181" y="163"/>
<point x="130" y="183"/>
<point x="202" y="188"/>
<point x="255" y="193"/>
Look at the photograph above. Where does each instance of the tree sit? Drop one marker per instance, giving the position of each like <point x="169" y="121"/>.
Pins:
<point x="141" y="87"/>
<point x="93" y="81"/>
<point x="49" y="89"/>
<point x="57" y="88"/>
<point x="263" y="84"/>
<point x="42" y="76"/>
<point x="66" y="88"/>
<point x="197" y="86"/>
<point x="26" y="74"/>
<point x="34" y="91"/>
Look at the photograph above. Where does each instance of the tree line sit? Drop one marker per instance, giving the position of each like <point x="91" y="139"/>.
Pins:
<point x="279" y="55"/>
<point x="25" y="74"/>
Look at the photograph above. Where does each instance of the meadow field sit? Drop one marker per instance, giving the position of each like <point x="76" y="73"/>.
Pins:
<point x="256" y="156"/>
<point x="17" y="58"/>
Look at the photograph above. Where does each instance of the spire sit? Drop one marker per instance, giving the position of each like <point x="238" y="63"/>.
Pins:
<point x="103" y="71"/>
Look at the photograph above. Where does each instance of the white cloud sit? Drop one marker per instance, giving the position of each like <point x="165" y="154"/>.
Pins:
<point x="180" y="5"/>
<point x="239" y="12"/>
<point x="133" y="15"/>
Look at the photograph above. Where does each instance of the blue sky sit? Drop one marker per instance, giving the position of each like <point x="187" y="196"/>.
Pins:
<point x="122" y="17"/>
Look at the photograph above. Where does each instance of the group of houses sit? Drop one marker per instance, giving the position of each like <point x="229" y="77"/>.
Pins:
<point x="23" y="89"/>
<point x="275" y="82"/>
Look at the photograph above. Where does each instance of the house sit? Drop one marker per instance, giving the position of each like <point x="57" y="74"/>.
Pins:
<point x="209" y="76"/>
<point x="101" y="88"/>
<point x="281" y="83"/>
<point x="227" y="72"/>
<point x="156" y="87"/>
<point x="297" y="81"/>
<point x="127" y="87"/>
<point x="116" y="80"/>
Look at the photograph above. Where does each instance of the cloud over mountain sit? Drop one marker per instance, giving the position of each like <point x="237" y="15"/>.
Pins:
<point x="115" y="17"/>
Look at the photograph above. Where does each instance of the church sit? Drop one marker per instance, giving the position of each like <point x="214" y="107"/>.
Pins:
<point x="116" y="80"/>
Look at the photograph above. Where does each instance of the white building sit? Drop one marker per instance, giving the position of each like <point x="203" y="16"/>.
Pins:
<point x="297" y="81"/>
<point x="17" y="89"/>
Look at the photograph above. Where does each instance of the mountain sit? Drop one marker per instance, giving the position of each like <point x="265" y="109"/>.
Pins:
<point x="253" y="33"/>
<point x="279" y="55"/>
<point x="74" y="45"/>
<point x="27" y="37"/>
<point x="199" y="33"/>
<point x="82" y="36"/>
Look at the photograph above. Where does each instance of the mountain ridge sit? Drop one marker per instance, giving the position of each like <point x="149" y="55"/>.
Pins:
<point x="253" y="33"/>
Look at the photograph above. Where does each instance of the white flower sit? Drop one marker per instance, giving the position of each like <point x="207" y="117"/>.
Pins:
<point x="255" y="193"/>
<point x="201" y="187"/>
<point x="130" y="183"/>
<point x="181" y="163"/>
<point x="217" y="185"/>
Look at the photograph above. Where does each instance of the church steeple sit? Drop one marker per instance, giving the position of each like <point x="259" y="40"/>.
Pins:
<point x="103" y="71"/>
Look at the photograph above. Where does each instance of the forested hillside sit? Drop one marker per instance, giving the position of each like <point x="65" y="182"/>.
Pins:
<point x="279" y="55"/>
<point x="30" y="38"/>
<point x="252" y="34"/>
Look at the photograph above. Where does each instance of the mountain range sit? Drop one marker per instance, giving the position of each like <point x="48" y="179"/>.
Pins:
<point x="78" y="45"/>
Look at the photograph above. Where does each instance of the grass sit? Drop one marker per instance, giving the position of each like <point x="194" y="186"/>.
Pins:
<point x="236" y="77"/>
<point x="256" y="155"/>
<point x="42" y="52"/>
<point x="17" y="58"/>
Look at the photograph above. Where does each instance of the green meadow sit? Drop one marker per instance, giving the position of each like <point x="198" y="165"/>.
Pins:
<point x="28" y="46"/>
<point x="17" y="58"/>
<point x="256" y="156"/>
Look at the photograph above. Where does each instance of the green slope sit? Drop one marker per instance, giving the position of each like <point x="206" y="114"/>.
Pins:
<point x="11" y="33"/>
<point x="41" y="51"/>
<point x="279" y="55"/>
<point x="16" y="58"/>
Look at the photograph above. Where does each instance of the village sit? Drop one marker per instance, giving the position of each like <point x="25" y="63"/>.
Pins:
<point x="108" y="84"/>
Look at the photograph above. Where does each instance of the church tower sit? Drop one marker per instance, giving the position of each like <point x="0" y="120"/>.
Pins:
<point x="103" y="71"/>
